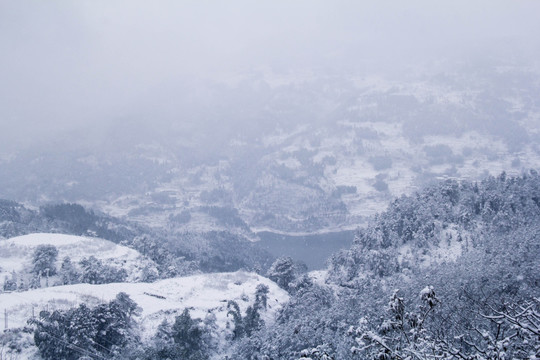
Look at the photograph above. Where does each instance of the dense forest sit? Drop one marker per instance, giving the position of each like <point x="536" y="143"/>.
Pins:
<point x="451" y="272"/>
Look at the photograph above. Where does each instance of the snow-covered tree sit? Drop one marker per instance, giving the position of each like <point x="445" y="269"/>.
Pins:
<point x="10" y="284"/>
<point x="320" y="352"/>
<point x="282" y="272"/>
<point x="188" y="334"/>
<point x="233" y="310"/>
<point x="94" y="271"/>
<point x="261" y="296"/>
<point x="402" y="333"/>
<point x="43" y="260"/>
<point x="99" y="332"/>
<point x="68" y="273"/>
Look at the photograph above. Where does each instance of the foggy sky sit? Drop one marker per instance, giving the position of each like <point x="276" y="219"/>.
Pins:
<point x="69" y="64"/>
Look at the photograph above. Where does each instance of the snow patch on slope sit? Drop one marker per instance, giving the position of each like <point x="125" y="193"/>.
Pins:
<point x="16" y="253"/>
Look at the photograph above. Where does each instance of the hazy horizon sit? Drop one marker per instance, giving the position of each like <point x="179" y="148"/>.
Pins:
<point x="80" y="66"/>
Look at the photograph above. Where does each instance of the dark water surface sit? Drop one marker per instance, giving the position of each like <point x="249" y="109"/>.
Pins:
<point x="313" y="250"/>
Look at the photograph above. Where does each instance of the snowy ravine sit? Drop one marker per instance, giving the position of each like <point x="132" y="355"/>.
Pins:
<point x="204" y="295"/>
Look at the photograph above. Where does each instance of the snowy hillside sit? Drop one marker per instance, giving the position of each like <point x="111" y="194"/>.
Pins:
<point x="205" y="295"/>
<point x="16" y="254"/>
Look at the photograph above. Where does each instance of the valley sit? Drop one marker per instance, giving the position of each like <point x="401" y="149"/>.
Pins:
<point x="265" y="180"/>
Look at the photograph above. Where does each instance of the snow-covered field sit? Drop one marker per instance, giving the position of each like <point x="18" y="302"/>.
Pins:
<point x="16" y="253"/>
<point x="205" y="295"/>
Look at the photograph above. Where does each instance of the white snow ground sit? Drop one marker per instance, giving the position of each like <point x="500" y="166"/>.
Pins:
<point x="205" y="295"/>
<point x="16" y="253"/>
